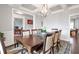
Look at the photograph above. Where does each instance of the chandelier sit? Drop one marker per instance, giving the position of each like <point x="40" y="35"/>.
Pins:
<point x="44" y="10"/>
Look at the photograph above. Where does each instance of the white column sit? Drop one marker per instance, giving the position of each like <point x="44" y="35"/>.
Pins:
<point x="34" y="21"/>
<point x="24" y="22"/>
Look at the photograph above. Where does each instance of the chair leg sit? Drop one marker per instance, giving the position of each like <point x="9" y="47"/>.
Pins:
<point x="52" y="50"/>
<point x="22" y="51"/>
<point x="57" y="48"/>
<point x="59" y="44"/>
<point x="16" y="45"/>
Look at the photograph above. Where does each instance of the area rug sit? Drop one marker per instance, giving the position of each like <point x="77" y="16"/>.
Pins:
<point x="65" y="48"/>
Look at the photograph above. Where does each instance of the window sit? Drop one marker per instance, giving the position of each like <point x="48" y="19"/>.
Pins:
<point x="72" y="24"/>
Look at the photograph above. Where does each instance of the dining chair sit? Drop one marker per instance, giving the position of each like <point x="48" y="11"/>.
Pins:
<point x="11" y="51"/>
<point x="55" y="40"/>
<point x="46" y="47"/>
<point x="48" y="44"/>
<point x="17" y="33"/>
<point x="59" y="38"/>
<point x="54" y="29"/>
<point x="35" y="31"/>
<point x="74" y="33"/>
<point x="25" y="33"/>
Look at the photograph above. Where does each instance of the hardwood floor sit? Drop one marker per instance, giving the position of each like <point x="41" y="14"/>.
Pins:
<point x="75" y="46"/>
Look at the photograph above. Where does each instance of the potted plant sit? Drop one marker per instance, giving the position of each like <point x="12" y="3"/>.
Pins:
<point x="44" y="29"/>
<point x="1" y="34"/>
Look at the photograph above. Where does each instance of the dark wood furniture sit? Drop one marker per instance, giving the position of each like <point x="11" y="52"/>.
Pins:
<point x="35" y="31"/>
<point x="31" y="42"/>
<point x="12" y="51"/>
<point x="17" y="33"/>
<point x="54" y="29"/>
<point x="26" y="32"/>
<point x="48" y="44"/>
<point x="73" y="33"/>
<point x="55" y="41"/>
<point x="59" y="37"/>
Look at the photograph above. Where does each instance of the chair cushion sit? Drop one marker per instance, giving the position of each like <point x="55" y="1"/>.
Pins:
<point x="15" y="50"/>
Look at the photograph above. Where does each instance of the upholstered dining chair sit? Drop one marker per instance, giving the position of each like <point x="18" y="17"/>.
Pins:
<point x="47" y="46"/>
<point x="59" y="38"/>
<point x="55" y="40"/>
<point x="12" y="51"/>
<point x="25" y="32"/>
<point x="74" y="33"/>
<point x="17" y="33"/>
<point x="35" y="31"/>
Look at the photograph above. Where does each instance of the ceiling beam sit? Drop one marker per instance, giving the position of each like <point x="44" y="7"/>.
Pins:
<point x="73" y="7"/>
<point x="57" y="11"/>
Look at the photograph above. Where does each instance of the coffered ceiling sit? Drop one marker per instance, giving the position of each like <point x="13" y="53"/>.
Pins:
<point x="34" y="8"/>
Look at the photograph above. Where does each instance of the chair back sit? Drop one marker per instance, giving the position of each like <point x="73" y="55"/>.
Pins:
<point x="47" y="48"/>
<point x="35" y="31"/>
<point x="74" y="33"/>
<point x="54" y="29"/>
<point x="18" y="32"/>
<point x="3" y="45"/>
<point x="60" y="33"/>
<point x="25" y="32"/>
<point x="56" y="37"/>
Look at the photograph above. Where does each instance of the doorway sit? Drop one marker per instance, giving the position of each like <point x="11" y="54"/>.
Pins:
<point x="74" y="21"/>
<point x="18" y="23"/>
<point x="74" y="24"/>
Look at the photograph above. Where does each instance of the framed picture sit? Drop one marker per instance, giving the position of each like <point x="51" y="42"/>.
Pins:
<point x="29" y="21"/>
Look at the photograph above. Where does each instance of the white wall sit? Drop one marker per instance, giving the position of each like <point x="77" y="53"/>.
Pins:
<point x="24" y="18"/>
<point x="59" y="20"/>
<point x="38" y="20"/>
<point x="6" y="23"/>
<point x="28" y="26"/>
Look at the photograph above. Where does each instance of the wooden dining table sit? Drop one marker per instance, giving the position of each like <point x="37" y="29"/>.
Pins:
<point x="30" y="42"/>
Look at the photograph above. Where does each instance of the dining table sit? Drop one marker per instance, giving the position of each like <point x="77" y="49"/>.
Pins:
<point x="30" y="42"/>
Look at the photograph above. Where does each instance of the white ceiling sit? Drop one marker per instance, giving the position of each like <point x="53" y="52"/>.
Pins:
<point x="34" y="8"/>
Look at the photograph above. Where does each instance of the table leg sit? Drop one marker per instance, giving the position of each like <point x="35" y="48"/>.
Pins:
<point x="29" y="51"/>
